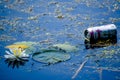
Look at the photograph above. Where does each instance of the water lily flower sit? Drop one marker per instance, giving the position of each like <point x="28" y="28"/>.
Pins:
<point x="16" y="52"/>
<point x="11" y="55"/>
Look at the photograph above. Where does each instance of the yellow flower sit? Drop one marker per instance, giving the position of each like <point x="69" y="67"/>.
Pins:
<point x="17" y="48"/>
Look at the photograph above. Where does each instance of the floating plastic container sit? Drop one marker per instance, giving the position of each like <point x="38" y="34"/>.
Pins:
<point x="101" y="34"/>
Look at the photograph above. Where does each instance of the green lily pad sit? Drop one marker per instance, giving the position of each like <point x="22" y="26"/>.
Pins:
<point x="28" y="43"/>
<point x="50" y="56"/>
<point x="67" y="47"/>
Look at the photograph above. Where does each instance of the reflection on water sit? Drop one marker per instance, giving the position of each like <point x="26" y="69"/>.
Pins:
<point x="15" y="62"/>
<point x="99" y="43"/>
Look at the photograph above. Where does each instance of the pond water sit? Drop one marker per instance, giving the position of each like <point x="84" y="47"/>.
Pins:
<point x="50" y="22"/>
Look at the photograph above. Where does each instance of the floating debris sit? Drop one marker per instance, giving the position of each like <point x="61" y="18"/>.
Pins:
<point x="113" y="20"/>
<point x="108" y="53"/>
<point x="79" y="69"/>
<point x="100" y="36"/>
<point x="50" y="56"/>
<point x="6" y="38"/>
<point x="101" y="32"/>
<point x="100" y="70"/>
<point x="33" y="17"/>
<point x="115" y="69"/>
<point x="47" y="41"/>
<point x="1" y="28"/>
<point x="60" y="16"/>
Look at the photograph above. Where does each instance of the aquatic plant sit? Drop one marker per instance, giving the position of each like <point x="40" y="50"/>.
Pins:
<point x="50" y="56"/>
<point x="66" y="46"/>
<point x="17" y="50"/>
<point x="16" y="57"/>
<point x="32" y="46"/>
<point x="16" y="54"/>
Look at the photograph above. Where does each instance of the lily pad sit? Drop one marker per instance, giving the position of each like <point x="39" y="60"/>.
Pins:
<point x="67" y="47"/>
<point x="28" y="43"/>
<point x="50" y="56"/>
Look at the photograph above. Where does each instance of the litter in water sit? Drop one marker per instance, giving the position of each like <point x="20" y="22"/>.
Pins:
<point x="100" y="36"/>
